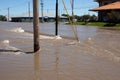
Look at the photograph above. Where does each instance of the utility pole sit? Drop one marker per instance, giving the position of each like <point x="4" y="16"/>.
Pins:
<point x="8" y="14"/>
<point x="29" y="10"/>
<point x="72" y="3"/>
<point x="56" y="29"/>
<point x="36" y="25"/>
<point x="42" y="10"/>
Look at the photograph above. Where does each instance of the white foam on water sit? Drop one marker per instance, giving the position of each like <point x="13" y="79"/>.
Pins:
<point x="46" y="37"/>
<point x="19" y="30"/>
<point x="71" y="43"/>
<point x="29" y="35"/>
<point x="9" y="50"/>
<point x="50" y="37"/>
<point x="6" y="41"/>
<point x="58" y="37"/>
<point x="89" y="39"/>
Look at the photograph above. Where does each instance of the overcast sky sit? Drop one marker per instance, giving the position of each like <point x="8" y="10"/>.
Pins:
<point x="20" y="7"/>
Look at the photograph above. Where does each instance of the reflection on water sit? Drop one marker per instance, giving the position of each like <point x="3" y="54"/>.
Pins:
<point x="50" y="68"/>
<point x="37" y="66"/>
<point x="57" y="62"/>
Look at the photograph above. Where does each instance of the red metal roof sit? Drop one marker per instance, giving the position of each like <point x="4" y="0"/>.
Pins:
<point x="112" y="6"/>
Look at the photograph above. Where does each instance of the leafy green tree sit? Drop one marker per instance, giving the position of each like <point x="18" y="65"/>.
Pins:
<point x="93" y="18"/>
<point x="77" y="17"/>
<point x="85" y="17"/>
<point x="2" y="18"/>
<point x="65" y="15"/>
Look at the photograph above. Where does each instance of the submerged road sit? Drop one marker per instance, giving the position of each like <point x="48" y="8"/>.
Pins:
<point x="96" y="57"/>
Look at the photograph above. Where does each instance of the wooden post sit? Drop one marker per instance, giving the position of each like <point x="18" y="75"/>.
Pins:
<point x="36" y="25"/>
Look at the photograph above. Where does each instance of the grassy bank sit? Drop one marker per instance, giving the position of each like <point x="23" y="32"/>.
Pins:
<point x="100" y="24"/>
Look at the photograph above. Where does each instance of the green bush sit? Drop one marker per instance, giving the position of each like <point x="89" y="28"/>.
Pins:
<point x="2" y="18"/>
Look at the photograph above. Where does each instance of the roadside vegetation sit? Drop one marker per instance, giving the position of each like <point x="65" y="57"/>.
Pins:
<point x="99" y="24"/>
<point x="2" y="18"/>
<point x="92" y="20"/>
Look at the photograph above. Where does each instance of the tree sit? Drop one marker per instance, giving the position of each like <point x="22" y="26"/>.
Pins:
<point x="77" y="17"/>
<point x="85" y="17"/>
<point x="2" y="18"/>
<point x="93" y="18"/>
<point x="65" y="15"/>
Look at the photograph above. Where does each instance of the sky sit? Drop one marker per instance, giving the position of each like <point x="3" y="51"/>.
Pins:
<point x="20" y="7"/>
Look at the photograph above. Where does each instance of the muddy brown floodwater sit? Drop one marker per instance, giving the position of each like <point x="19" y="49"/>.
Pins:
<point x="96" y="57"/>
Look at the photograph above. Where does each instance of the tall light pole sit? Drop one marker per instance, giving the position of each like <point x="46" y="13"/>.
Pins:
<point x="8" y="14"/>
<point x="29" y="10"/>
<point x="42" y="10"/>
<point x="56" y="28"/>
<point x="36" y="25"/>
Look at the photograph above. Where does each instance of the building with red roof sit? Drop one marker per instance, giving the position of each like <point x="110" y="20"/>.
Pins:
<point x="106" y="7"/>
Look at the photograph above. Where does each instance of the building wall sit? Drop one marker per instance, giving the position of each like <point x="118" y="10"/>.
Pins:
<point x="102" y="14"/>
<point x="105" y="2"/>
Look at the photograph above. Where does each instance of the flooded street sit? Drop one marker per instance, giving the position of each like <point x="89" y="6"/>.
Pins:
<point x="96" y="57"/>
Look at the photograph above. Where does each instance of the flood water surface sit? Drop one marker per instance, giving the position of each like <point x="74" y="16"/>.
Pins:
<point x="95" y="57"/>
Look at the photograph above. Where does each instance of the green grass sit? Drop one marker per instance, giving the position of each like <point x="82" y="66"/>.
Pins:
<point x="99" y="24"/>
<point x="118" y="25"/>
